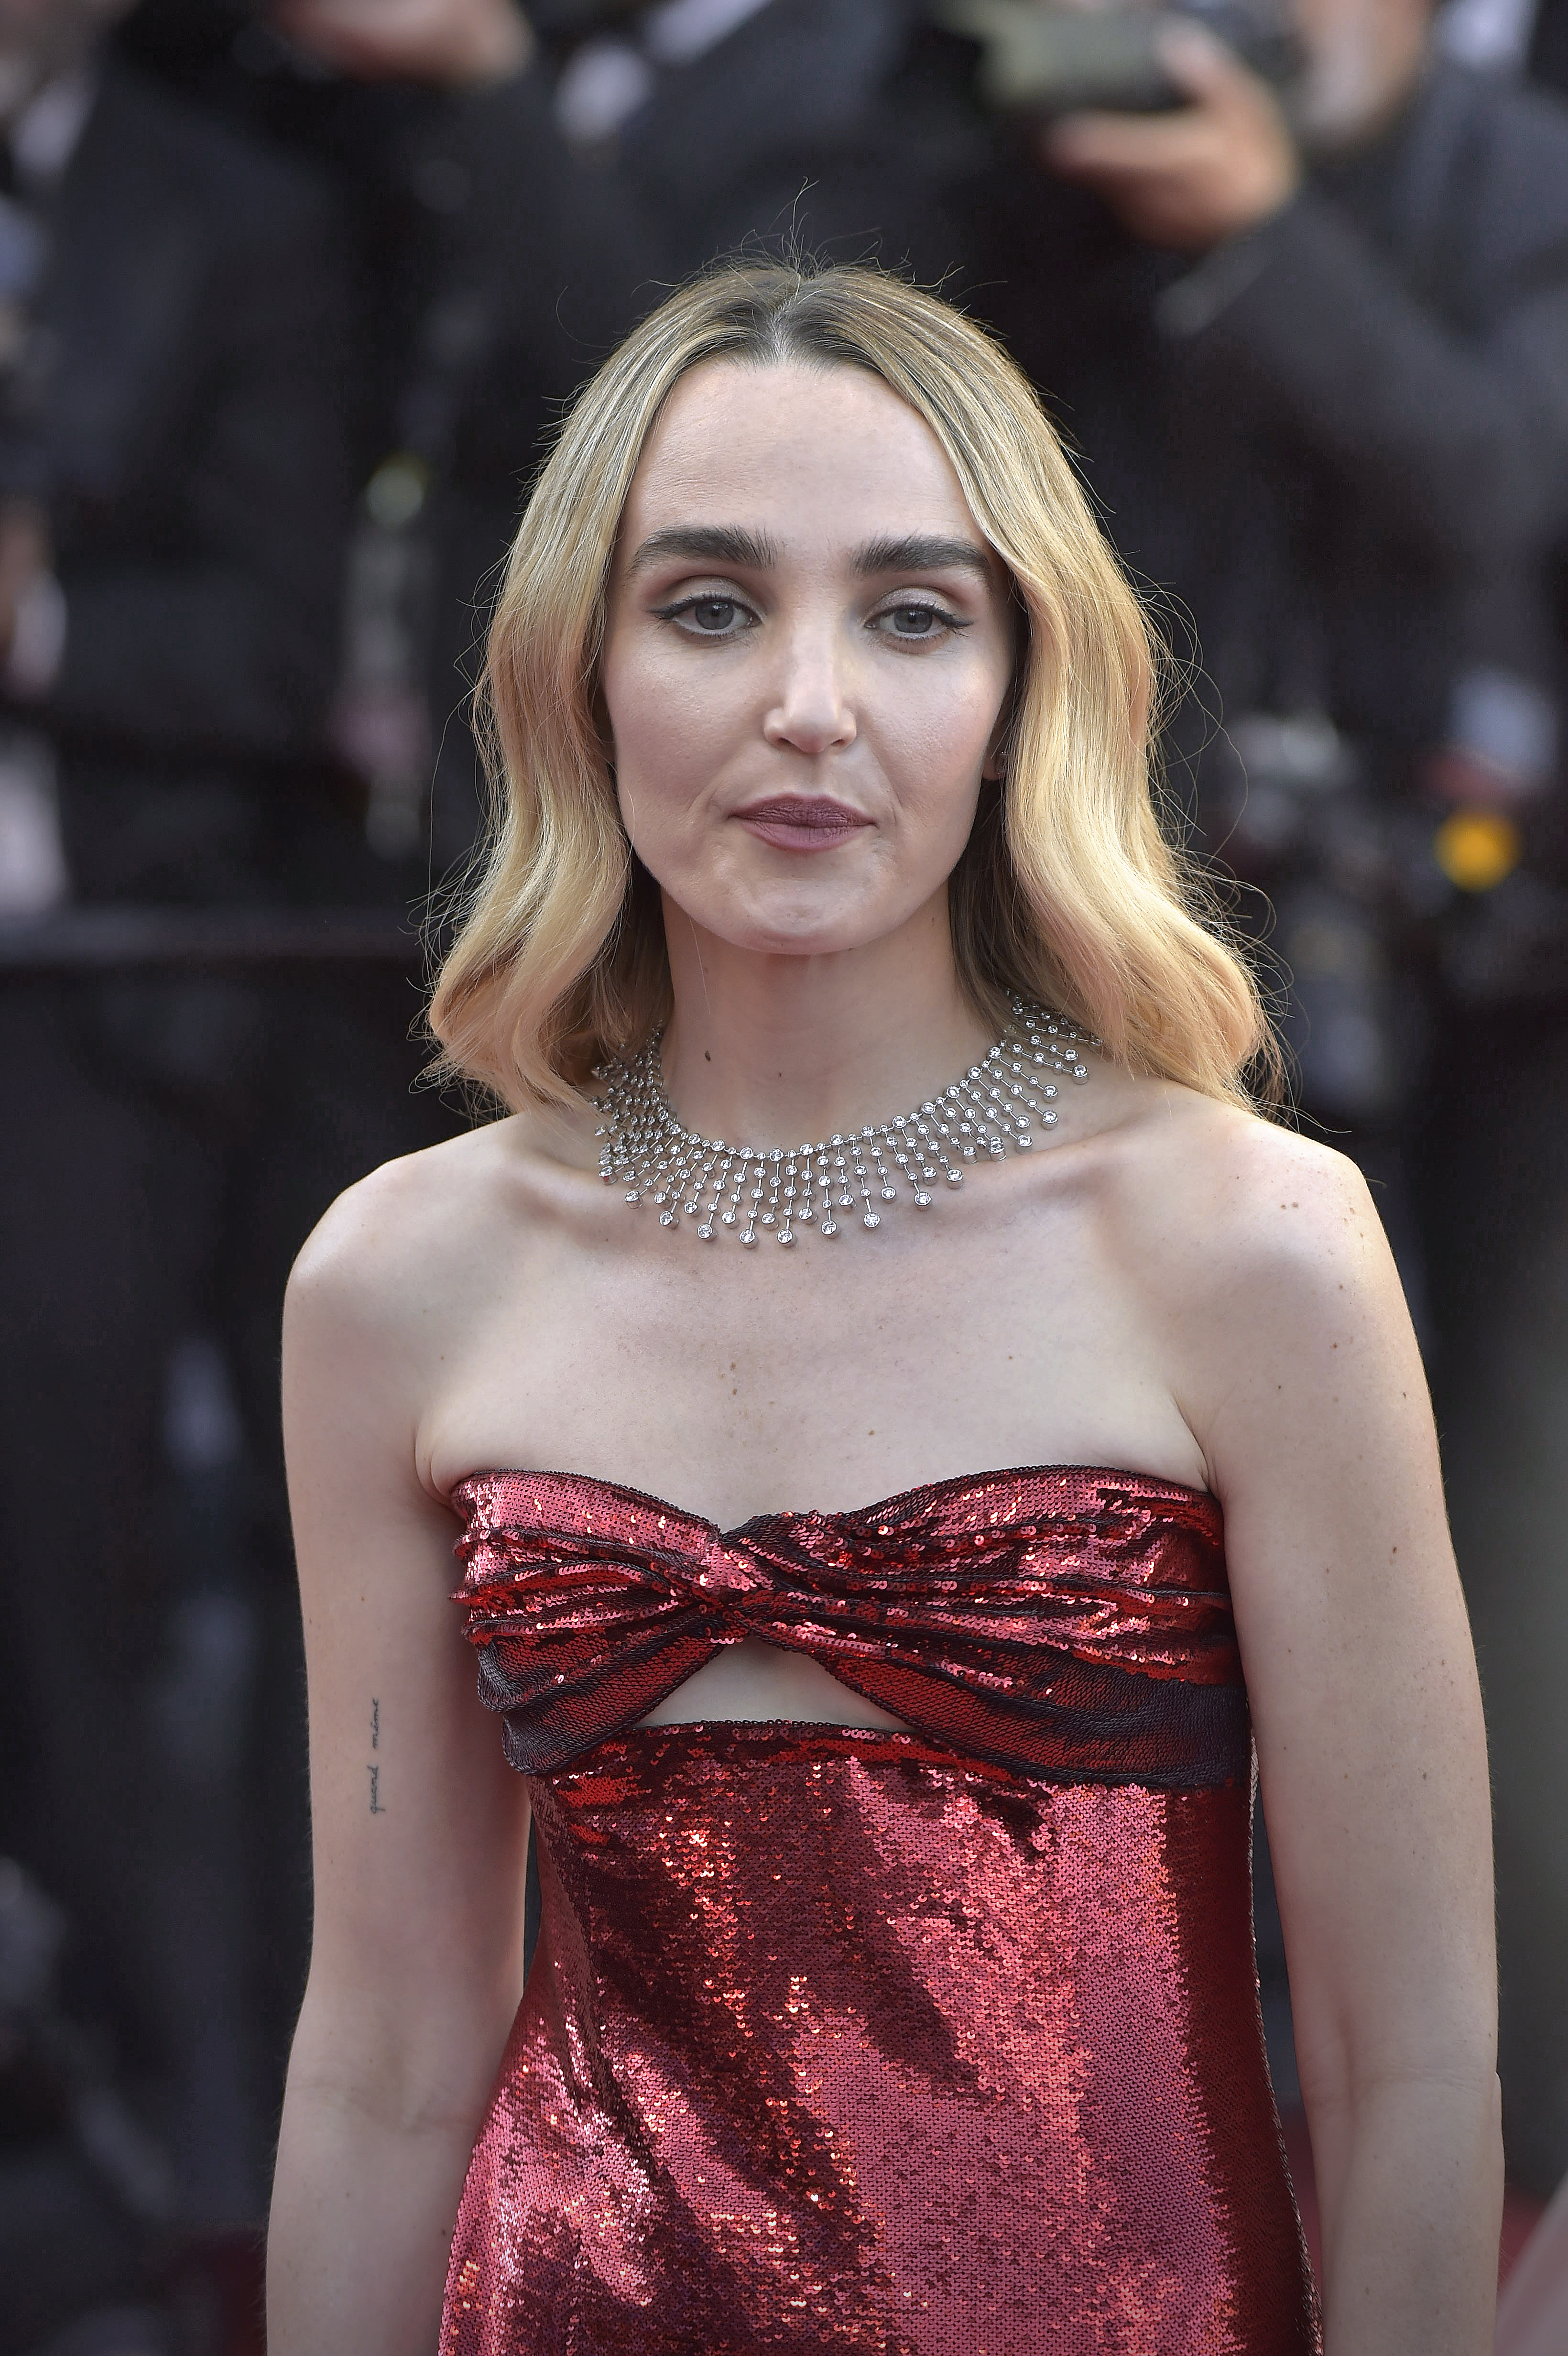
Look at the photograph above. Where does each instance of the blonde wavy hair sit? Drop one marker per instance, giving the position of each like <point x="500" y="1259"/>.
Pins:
<point x="1067" y="890"/>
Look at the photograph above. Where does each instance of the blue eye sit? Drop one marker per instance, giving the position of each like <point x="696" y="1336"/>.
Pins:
<point x="707" y="618"/>
<point x="912" y="623"/>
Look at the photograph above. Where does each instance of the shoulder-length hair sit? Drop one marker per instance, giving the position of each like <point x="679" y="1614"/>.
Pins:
<point x="1068" y="891"/>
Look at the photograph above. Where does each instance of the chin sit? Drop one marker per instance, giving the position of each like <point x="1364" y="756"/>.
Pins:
<point x="794" y="940"/>
<point x="793" y="924"/>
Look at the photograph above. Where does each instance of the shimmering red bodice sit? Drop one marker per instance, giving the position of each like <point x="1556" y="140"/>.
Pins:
<point x="942" y="2042"/>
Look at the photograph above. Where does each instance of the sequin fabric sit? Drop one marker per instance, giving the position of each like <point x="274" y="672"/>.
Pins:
<point x="937" y="2042"/>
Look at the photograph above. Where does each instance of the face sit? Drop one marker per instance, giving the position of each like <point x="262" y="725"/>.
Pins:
<point x="807" y="653"/>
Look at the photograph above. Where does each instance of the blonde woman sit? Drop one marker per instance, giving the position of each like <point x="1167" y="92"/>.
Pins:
<point x="895" y="1987"/>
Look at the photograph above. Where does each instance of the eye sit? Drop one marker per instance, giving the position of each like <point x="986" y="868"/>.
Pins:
<point x="712" y="613"/>
<point x="708" y="617"/>
<point x="913" y="623"/>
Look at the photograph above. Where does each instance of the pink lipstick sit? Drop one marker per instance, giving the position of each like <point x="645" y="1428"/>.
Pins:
<point x="802" y="822"/>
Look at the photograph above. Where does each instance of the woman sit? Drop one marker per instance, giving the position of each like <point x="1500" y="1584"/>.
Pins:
<point x="894" y="1989"/>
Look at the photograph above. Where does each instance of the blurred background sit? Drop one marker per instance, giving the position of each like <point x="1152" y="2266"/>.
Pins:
<point x="289" y="292"/>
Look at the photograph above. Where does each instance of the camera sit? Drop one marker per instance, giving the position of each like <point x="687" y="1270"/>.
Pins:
<point x="1041" y="61"/>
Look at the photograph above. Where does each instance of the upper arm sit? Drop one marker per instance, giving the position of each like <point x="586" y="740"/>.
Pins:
<point x="419" y="1828"/>
<point x="1453" y="434"/>
<point x="1311" y="1406"/>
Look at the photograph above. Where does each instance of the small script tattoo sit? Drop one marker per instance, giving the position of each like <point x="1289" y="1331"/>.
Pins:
<point x="375" y="1772"/>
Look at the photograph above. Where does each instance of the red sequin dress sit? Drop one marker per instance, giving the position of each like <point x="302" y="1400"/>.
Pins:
<point x="935" y="2043"/>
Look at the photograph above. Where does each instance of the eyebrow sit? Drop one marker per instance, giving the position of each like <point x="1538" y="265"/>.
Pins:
<point x="731" y="544"/>
<point x="923" y="552"/>
<point x="716" y="543"/>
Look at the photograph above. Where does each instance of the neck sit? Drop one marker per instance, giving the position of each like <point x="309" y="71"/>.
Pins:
<point x="771" y="1050"/>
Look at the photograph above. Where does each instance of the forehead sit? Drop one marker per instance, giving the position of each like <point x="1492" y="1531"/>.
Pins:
<point x="805" y="452"/>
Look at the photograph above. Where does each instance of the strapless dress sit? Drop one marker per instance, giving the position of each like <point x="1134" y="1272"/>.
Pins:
<point x="942" y="2043"/>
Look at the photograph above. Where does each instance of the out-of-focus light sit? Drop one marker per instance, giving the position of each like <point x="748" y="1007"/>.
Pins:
<point x="396" y="491"/>
<point x="1477" y="849"/>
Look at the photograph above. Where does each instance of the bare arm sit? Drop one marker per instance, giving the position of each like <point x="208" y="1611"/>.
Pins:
<point x="420" y="1829"/>
<point x="1311" y="1402"/>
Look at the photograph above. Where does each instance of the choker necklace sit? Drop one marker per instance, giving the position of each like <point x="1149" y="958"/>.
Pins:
<point x="997" y="1104"/>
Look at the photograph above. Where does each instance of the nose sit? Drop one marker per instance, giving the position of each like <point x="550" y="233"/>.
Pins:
<point x="813" y="711"/>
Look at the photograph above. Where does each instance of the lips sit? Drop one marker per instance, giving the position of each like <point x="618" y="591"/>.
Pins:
<point x="800" y="822"/>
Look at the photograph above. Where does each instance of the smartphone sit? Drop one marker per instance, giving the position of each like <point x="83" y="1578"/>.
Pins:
<point x="1040" y="61"/>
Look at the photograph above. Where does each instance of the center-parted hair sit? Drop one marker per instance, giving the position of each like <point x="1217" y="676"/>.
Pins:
<point x="1067" y="890"/>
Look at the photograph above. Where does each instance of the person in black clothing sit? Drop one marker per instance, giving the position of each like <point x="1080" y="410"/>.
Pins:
<point x="1321" y="393"/>
<point x="504" y="268"/>
<point x="1319" y="376"/>
<point x="172" y="446"/>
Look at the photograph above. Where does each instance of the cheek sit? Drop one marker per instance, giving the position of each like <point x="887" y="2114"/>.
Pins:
<point x="934" y="745"/>
<point x="665" y="724"/>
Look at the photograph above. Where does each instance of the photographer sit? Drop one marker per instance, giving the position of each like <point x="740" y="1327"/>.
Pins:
<point x="1311" y="331"/>
<point x="172" y="467"/>
<point x="1346" y="324"/>
<point x="506" y="266"/>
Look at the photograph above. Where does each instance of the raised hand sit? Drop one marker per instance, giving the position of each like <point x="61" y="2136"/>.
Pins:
<point x="1190" y="179"/>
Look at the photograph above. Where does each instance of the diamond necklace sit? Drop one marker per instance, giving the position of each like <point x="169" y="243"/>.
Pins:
<point x="995" y="1103"/>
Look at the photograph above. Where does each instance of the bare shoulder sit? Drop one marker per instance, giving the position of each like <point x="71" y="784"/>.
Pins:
<point x="1262" y="1262"/>
<point x="409" y="1235"/>
<point x="1215" y="1205"/>
<point x="381" y="1230"/>
<point x="377" y="1304"/>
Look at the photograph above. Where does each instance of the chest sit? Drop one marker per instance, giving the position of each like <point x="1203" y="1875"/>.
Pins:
<point x="991" y="1335"/>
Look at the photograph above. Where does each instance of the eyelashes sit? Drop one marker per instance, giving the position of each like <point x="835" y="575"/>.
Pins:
<point x="916" y="610"/>
<point x="695" y="607"/>
<point x="722" y="617"/>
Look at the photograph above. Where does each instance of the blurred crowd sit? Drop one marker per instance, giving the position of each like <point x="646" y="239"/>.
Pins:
<point x="289" y="292"/>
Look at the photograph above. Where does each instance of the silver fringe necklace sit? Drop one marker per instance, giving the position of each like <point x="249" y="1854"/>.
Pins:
<point x="997" y="1104"/>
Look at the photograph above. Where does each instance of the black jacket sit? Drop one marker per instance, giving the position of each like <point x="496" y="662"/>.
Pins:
<point x="198" y="487"/>
<point x="1342" y="441"/>
<point x="782" y="131"/>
